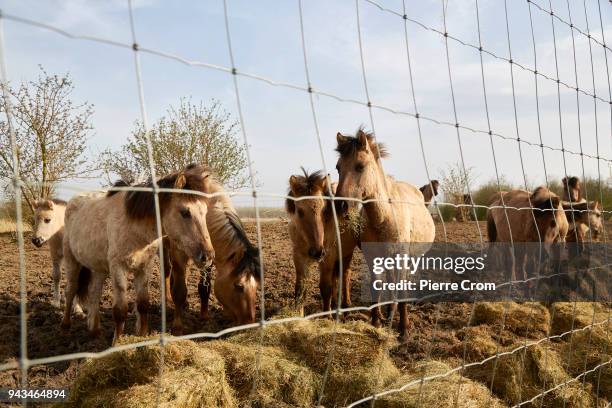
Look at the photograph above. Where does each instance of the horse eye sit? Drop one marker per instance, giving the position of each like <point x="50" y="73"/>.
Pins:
<point x="359" y="167"/>
<point x="239" y="287"/>
<point x="185" y="213"/>
<point x="301" y="213"/>
<point x="47" y="220"/>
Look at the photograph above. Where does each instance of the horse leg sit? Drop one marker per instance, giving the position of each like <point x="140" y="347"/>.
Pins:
<point x="403" y="320"/>
<point x="141" y="286"/>
<point x="325" y="284"/>
<point x="301" y="269"/>
<point x="120" y="305"/>
<point x="93" y="303"/>
<point x="179" y="295"/>
<point x="167" y="275"/>
<point x="346" y="280"/>
<point x="71" y="269"/>
<point x="57" y="275"/>
<point x="204" y="289"/>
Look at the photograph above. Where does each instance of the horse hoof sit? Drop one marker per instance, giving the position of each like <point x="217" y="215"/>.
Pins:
<point x="177" y="331"/>
<point x="94" y="333"/>
<point x="65" y="324"/>
<point x="204" y="316"/>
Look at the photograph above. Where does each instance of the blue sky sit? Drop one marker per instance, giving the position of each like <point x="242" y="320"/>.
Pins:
<point x="278" y="121"/>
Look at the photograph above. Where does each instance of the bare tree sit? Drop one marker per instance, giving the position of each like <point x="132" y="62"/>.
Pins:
<point x="454" y="181"/>
<point x="187" y="134"/>
<point x="51" y="132"/>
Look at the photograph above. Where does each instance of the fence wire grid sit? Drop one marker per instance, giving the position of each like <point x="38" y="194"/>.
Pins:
<point x="404" y="18"/>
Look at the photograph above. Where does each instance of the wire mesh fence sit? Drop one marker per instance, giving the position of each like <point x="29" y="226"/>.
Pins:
<point x="405" y="19"/>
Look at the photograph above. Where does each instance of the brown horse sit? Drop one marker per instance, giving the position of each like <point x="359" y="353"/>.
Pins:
<point x="545" y="222"/>
<point x="236" y="263"/>
<point x="314" y="239"/>
<point x="430" y="190"/>
<point x="49" y="227"/>
<point x="116" y="234"/>
<point x="397" y="213"/>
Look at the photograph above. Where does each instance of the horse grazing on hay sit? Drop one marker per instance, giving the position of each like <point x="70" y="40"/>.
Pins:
<point x="430" y="190"/>
<point x="49" y="227"/>
<point x="116" y="234"/>
<point x="532" y="217"/>
<point x="397" y="212"/>
<point x="236" y="262"/>
<point x="314" y="239"/>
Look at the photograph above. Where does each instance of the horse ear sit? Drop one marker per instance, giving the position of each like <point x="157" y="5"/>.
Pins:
<point x="340" y="138"/>
<point x="180" y="181"/>
<point x="293" y="184"/>
<point x="363" y="140"/>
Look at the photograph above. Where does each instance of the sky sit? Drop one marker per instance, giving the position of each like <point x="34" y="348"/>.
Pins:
<point x="278" y="121"/>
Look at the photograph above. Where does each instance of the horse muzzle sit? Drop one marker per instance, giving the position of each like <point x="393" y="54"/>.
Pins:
<point x="316" y="253"/>
<point x="38" y="241"/>
<point x="204" y="258"/>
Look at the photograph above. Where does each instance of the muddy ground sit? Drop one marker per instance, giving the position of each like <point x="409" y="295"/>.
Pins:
<point x="436" y="330"/>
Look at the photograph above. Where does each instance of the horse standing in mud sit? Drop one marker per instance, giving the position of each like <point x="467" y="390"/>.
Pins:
<point x="536" y="217"/>
<point x="236" y="263"/>
<point x="397" y="212"/>
<point x="49" y="227"/>
<point x="116" y="234"/>
<point x="314" y="239"/>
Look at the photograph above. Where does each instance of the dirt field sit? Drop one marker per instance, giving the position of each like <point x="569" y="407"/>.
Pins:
<point x="437" y="330"/>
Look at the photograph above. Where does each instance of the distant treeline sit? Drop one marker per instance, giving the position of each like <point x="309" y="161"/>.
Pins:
<point x="482" y="195"/>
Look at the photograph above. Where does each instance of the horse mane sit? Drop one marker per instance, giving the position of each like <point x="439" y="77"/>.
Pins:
<point x="544" y="199"/>
<point x="141" y="204"/>
<point x="308" y="184"/>
<point x="351" y="145"/>
<point x="251" y="253"/>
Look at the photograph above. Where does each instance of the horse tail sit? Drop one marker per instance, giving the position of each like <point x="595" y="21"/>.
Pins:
<point x="491" y="230"/>
<point x="83" y="284"/>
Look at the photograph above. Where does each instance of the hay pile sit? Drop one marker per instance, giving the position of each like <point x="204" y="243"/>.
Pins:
<point x="292" y="361"/>
<point x="528" y="319"/>
<point x="526" y="373"/>
<point x="586" y="350"/>
<point x="360" y="365"/>
<point x="581" y="313"/>
<point x="440" y="392"/>
<point x="192" y="377"/>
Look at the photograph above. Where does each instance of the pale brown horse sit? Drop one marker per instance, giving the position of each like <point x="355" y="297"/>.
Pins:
<point x="430" y="190"/>
<point x="397" y="213"/>
<point x="49" y="228"/>
<point x="536" y="217"/>
<point x="236" y="263"/>
<point x="116" y="235"/>
<point x="584" y="218"/>
<point x="314" y="239"/>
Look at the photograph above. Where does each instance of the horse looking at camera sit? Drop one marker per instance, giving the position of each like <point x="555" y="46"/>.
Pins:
<point x="116" y="235"/>
<point x="236" y="263"/>
<point x="314" y="238"/>
<point x="396" y="212"/>
<point x="49" y="227"/>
